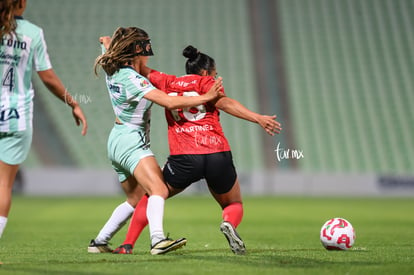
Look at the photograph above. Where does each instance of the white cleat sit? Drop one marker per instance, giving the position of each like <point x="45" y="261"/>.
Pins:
<point x="235" y="242"/>
<point x="167" y="245"/>
<point x="98" y="247"/>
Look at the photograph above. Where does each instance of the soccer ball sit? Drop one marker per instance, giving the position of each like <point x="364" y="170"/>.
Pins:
<point x="337" y="234"/>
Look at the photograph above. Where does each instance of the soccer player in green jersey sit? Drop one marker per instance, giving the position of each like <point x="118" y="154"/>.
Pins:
<point x="132" y="96"/>
<point x="22" y="50"/>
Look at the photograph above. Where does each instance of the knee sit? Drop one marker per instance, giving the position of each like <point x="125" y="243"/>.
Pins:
<point x="158" y="190"/>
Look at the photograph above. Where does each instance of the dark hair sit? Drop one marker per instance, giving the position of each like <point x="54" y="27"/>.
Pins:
<point x="197" y="61"/>
<point x="121" y="49"/>
<point x="7" y="22"/>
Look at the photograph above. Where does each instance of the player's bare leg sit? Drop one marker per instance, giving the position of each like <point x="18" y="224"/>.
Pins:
<point x="148" y="174"/>
<point x="7" y="177"/>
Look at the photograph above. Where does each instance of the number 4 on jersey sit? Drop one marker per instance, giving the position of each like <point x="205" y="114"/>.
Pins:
<point x="8" y="80"/>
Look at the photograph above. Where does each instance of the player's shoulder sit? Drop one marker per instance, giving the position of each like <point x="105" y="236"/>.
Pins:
<point x="131" y="77"/>
<point x="185" y="82"/>
<point x="28" y="28"/>
<point x="195" y="79"/>
<point x="206" y="82"/>
<point x="124" y="75"/>
<point x="207" y="79"/>
<point x="157" y="75"/>
<point x="128" y="73"/>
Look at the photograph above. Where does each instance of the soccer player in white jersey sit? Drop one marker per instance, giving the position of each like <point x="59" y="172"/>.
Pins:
<point x="129" y="150"/>
<point x="22" y="50"/>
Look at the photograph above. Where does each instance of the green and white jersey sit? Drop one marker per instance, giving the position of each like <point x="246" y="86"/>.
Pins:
<point x="20" y="53"/>
<point x="126" y="90"/>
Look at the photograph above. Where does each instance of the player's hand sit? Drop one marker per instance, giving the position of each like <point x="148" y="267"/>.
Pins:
<point x="270" y="125"/>
<point x="80" y="118"/>
<point x="216" y="91"/>
<point x="105" y="41"/>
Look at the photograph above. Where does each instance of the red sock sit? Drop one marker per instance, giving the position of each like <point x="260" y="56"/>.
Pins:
<point x="233" y="213"/>
<point x="138" y="222"/>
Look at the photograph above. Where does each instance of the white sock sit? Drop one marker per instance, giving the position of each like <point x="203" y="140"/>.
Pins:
<point x="155" y="215"/>
<point x="3" y="222"/>
<point x="118" y="219"/>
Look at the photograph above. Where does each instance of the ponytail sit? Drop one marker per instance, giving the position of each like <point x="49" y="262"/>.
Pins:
<point x="197" y="61"/>
<point x="7" y="22"/>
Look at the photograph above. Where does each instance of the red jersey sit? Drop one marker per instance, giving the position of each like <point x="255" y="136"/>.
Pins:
<point x="195" y="130"/>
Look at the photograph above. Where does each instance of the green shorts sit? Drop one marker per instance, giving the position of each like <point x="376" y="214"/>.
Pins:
<point x="126" y="147"/>
<point x="15" y="146"/>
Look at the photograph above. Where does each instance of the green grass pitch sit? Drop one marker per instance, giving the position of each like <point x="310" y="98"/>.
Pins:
<point x="50" y="236"/>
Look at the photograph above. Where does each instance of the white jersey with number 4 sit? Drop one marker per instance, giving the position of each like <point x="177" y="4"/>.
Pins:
<point x="20" y="54"/>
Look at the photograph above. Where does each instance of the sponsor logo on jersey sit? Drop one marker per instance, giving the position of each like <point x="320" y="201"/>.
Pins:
<point x="8" y="114"/>
<point x="16" y="44"/>
<point x="144" y="83"/>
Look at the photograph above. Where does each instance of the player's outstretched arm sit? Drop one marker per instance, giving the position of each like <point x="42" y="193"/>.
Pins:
<point x="53" y="83"/>
<point x="235" y="108"/>
<point x="175" y="102"/>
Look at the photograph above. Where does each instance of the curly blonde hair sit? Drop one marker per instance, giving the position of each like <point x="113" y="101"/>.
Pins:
<point x="121" y="50"/>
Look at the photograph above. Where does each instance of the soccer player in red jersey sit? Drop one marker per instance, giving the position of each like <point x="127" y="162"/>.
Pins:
<point x="198" y="146"/>
<point x="198" y="149"/>
<point x="132" y="97"/>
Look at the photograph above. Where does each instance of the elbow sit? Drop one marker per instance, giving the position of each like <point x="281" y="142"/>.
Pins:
<point x="48" y="78"/>
<point x="223" y="106"/>
<point x="169" y="105"/>
<point x="49" y="84"/>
